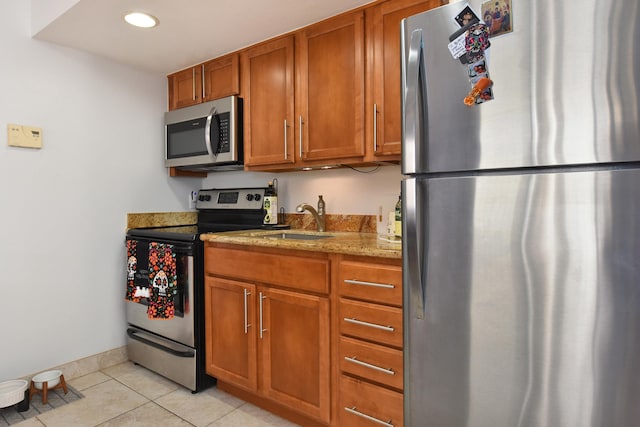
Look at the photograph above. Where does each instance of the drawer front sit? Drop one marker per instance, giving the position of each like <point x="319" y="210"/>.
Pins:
<point x="371" y="322"/>
<point x="371" y="361"/>
<point x="366" y="405"/>
<point x="371" y="282"/>
<point x="271" y="268"/>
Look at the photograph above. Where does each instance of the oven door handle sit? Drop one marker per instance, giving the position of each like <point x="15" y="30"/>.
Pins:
<point x="132" y="334"/>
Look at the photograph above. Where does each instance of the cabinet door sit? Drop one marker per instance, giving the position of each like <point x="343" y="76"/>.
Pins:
<point x="295" y="350"/>
<point x="185" y="88"/>
<point x="330" y="89"/>
<point x="383" y="109"/>
<point x="267" y="88"/>
<point x="221" y="77"/>
<point x="230" y="332"/>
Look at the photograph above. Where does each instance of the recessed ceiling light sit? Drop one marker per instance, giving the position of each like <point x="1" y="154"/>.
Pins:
<point x="140" y="19"/>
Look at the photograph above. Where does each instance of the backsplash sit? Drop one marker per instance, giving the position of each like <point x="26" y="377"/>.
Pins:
<point x="334" y="222"/>
<point x="160" y="219"/>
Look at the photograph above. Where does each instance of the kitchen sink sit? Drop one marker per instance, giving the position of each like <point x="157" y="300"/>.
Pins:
<point x="297" y="236"/>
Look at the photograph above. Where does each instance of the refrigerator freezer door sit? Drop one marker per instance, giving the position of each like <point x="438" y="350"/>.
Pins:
<point x="528" y="309"/>
<point x="565" y="87"/>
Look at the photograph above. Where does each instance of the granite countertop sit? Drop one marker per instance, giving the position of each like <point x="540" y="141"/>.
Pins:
<point x="351" y="243"/>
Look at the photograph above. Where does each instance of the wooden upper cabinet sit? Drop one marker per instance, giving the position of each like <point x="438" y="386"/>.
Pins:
<point x="327" y="94"/>
<point x="214" y="79"/>
<point x="268" y="92"/>
<point x="330" y="89"/>
<point x="185" y="88"/>
<point x="221" y="77"/>
<point x="384" y="123"/>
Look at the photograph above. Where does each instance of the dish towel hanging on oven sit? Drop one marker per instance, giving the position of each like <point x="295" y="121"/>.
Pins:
<point x="162" y="281"/>
<point x="132" y="267"/>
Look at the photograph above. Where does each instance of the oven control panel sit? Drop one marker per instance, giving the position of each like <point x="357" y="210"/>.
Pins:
<point x="231" y="198"/>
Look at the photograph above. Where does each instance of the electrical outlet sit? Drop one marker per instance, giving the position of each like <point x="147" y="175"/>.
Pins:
<point x="193" y="196"/>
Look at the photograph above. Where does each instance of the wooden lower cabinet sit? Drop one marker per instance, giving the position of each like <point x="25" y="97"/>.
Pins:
<point x="372" y="322"/>
<point x="271" y="342"/>
<point x="366" y="405"/>
<point x="231" y="340"/>
<point x="371" y="374"/>
<point x="311" y="336"/>
<point x="372" y="362"/>
<point x="295" y="351"/>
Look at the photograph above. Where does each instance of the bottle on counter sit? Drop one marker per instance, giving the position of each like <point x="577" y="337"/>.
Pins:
<point x="270" y="203"/>
<point x="320" y="205"/>
<point x="398" y="222"/>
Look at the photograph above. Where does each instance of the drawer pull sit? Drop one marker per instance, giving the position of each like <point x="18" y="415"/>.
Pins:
<point x="369" y="365"/>
<point x="262" y="330"/>
<point x="370" y="325"/>
<point x="246" y="323"/>
<point x="368" y="417"/>
<point x="377" y="285"/>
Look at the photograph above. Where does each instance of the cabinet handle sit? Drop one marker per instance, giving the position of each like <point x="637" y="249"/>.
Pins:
<point x="261" y="329"/>
<point x="377" y="285"/>
<point x="286" y="154"/>
<point x="370" y="325"/>
<point x="246" y="324"/>
<point x="193" y="83"/>
<point x="300" y="137"/>
<point x="375" y="128"/>
<point x="202" y="72"/>
<point x="369" y="365"/>
<point x="368" y="417"/>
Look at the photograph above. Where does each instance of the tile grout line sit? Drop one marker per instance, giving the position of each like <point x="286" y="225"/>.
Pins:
<point x="148" y="400"/>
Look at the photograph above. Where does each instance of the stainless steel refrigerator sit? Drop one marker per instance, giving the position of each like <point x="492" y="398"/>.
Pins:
<point x="521" y="217"/>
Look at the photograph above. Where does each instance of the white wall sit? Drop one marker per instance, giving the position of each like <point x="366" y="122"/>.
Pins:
<point x="63" y="207"/>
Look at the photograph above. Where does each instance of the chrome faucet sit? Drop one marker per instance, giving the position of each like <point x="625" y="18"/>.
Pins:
<point x="319" y="215"/>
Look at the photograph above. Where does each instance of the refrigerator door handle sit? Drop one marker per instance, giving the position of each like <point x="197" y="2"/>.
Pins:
<point x="413" y="235"/>
<point x="411" y="105"/>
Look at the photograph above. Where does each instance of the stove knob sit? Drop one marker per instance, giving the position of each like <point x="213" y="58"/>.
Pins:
<point x="257" y="197"/>
<point x="201" y="197"/>
<point x="249" y="197"/>
<point x="207" y="197"/>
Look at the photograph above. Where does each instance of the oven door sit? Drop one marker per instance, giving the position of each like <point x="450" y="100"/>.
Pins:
<point x="181" y="327"/>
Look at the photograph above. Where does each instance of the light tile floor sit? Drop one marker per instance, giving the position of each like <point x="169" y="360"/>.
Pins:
<point x="130" y="395"/>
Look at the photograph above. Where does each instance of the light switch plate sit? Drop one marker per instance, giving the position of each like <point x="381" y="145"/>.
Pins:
<point x="24" y="136"/>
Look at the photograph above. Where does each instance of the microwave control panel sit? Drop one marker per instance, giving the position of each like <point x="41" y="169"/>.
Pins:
<point x="224" y="132"/>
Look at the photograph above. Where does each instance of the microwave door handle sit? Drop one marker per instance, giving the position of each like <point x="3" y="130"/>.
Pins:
<point x="207" y="133"/>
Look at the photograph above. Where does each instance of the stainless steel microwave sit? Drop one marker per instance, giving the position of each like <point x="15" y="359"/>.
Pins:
<point x="206" y="136"/>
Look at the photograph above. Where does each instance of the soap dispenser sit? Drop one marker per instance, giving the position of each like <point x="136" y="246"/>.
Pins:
<point x="320" y="205"/>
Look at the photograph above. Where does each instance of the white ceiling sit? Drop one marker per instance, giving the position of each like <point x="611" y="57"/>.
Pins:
<point x="190" y="31"/>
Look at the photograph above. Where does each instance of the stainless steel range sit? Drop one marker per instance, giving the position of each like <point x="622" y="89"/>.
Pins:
<point x="165" y="331"/>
